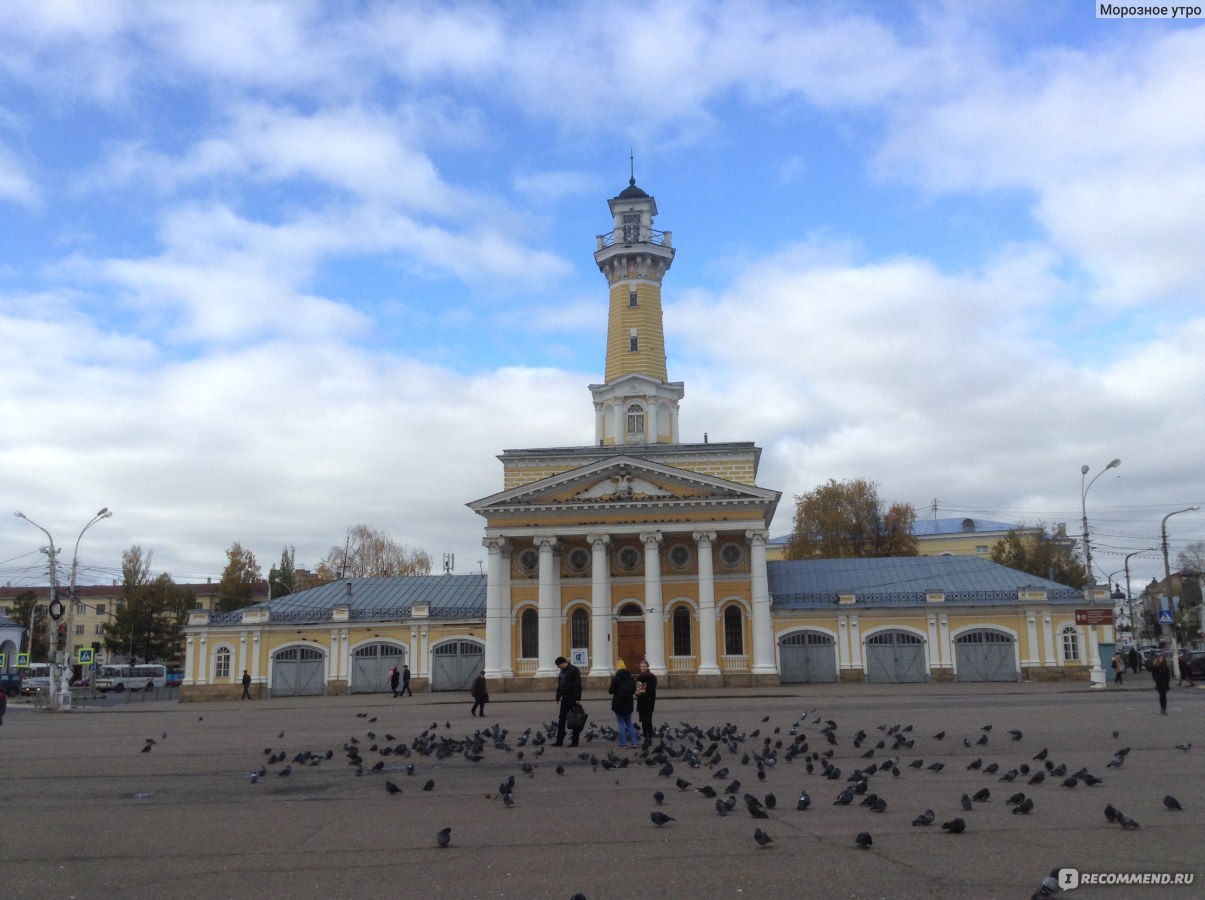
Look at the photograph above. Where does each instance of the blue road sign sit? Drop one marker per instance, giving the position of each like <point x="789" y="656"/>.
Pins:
<point x="1167" y="617"/>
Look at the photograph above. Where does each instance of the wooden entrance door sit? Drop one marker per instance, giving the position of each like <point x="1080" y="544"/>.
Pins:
<point x="630" y="643"/>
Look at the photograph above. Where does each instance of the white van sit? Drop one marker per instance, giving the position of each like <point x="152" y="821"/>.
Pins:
<point x="35" y="678"/>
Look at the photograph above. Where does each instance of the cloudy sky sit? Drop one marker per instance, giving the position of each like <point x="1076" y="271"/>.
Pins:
<point x="270" y="270"/>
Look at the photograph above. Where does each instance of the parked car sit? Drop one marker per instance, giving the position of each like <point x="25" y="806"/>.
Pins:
<point x="1196" y="663"/>
<point x="10" y="683"/>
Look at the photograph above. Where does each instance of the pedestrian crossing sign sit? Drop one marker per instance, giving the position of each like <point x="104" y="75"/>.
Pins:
<point x="85" y="656"/>
<point x="22" y="660"/>
<point x="1167" y="617"/>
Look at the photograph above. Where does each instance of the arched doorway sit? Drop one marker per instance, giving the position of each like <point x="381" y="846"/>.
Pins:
<point x="370" y="665"/>
<point x="985" y="655"/>
<point x="455" y="664"/>
<point x="895" y="657"/>
<point x="807" y="656"/>
<point x="298" y="672"/>
<point x="629" y="635"/>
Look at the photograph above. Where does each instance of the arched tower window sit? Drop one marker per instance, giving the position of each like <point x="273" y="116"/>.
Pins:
<point x="529" y="635"/>
<point x="734" y="631"/>
<point x="579" y="627"/>
<point x="636" y="421"/>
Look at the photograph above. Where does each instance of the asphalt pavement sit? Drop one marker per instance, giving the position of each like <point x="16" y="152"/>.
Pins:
<point x="89" y="813"/>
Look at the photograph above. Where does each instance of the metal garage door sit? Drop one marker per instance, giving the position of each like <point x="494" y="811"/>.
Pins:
<point x="455" y="664"/>
<point x="298" y="672"/>
<point x="895" y="657"/>
<point x="370" y="666"/>
<point x="807" y="656"/>
<point x="985" y="656"/>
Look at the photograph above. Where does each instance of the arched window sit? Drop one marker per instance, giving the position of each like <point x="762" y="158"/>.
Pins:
<point x="635" y="420"/>
<point x="1070" y="644"/>
<point x="682" y="631"/>
<point x="221" y="664"/>
<point x="579" y="627"/>
<point x="529" y="635"/>
<point x="734" y="631"/>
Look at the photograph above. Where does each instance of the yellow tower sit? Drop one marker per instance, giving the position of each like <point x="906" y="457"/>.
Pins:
<point x="637" y="404"/>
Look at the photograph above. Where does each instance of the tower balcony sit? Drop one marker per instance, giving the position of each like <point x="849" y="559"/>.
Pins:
<point x="641" y="236"/>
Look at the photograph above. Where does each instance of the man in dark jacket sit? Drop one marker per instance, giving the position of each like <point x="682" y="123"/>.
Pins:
<point x="568" y="694"/>
<point x="1161" y="673"/>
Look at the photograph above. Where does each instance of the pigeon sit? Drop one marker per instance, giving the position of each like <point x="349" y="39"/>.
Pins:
<point x="864" y="840"/>
<point x="1038" y="778"/>
<point x="1184" y="747"/>
<point x="659" y="818"/>
<point x="763" y="839"/>
<point x="706" y="790"/>
<point x="1023" y="808"/>
<point x="954" y="826"/>
<point x="443" y="837"/>
<point x="925" y="818"/>
<point x="805" y="801"/>
<point x="1110" y="812"/>
<point x="285" y="772"/>
<point x="146" y="748"/>
<point x="658" y="797"/>
<point x="1125" y="820"/>
<point x="981" y="795"/>
<point x="966" y="803"/>
<point x="1171" y="802"/>
<point x="682" y="783"/>
<point x="977" y="763"/>
<point x="845" y="798"/>
<point x="772" y="801"/>
<point x="560" y="770"/>
<point x="666" y="770"/>
<point x="733" y="787"/>
<point x="1010" y="775"/>
<point x="1042" y="754"/>
<point x="940" y="736"/>
<point x="430" y="785"/>
<point x="392" y="788"/>
<point x="1015" y="799"/>
<point x="1049" y="886"/>
<point x="937" y="767"/>
<point x="508" y="800"/>
<point x="720" y="807"/>
<point x="992" y="769"/>
<point x="1015" y="734"/>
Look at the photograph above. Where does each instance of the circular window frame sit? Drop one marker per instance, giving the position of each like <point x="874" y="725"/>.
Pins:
<point x="527" y="561"/>
<point x="577" y="560"/>
<point x="683" y="550"/>
<point x="736" y="561"/>
<point x="631" y="553"/>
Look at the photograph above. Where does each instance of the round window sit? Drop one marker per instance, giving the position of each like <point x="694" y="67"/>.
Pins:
<point x="578" y="559"/>
<point x="732" y="554"/>
<point x="680" y="556"/>
<point x="529" y="561"/>
<point x="628" y="558"/>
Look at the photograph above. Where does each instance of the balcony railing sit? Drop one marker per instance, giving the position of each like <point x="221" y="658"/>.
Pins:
<point x="734" y="663"/>
<point x="643" y="236"/>
<point x="682" y="664"/>
<point x="526" y="666"/>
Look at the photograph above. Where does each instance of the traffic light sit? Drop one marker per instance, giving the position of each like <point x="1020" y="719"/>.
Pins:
<point x="96" y="647"/>
<point x="61" y="641"/>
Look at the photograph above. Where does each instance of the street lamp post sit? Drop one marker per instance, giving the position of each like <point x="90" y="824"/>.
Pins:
<point x="54" y="596"/>
<point x="1167" y="583"/>
<point x="1097" y="675"/>
<point x="66" y="691"/>
<point x="1129" y="594"/>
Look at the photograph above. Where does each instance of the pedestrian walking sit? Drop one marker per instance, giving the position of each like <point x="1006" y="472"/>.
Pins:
<point x="1162" y="675"/>
<point x="3" y="704"/>
<point x="406" y="682"/>
<point x="246" y="685"/>
<point x="481" y="695"/>
<point x="646" y="699"/>
<point x="568" y="695"/>
<point x="623" y="702"/>
<point x="1119" y="667"/>
<point x="1133" y="659"/>
<point x="394" y="677"/>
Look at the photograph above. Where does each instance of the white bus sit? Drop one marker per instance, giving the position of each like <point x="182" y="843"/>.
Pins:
<point x="131" y="678"/>
<point x="35" y="678"/>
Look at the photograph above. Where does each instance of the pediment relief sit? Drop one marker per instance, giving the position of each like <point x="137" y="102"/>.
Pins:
<point x="622" y="486"/>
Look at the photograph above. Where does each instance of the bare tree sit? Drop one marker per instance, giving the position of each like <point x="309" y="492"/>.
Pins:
<point x="369" y="553"/>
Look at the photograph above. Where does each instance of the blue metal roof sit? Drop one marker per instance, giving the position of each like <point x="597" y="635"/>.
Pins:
<point x="904" y="581"/>
<point x="376" y="599"/>
<point x="933" y="527"/>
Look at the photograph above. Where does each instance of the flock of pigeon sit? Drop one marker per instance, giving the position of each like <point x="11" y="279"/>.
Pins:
<point x="710" y="763"/>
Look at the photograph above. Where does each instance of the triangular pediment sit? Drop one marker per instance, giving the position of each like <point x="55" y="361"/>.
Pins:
<point x="624" y="480"/>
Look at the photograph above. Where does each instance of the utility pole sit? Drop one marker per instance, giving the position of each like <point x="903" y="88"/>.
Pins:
<point x="51" y="618"/>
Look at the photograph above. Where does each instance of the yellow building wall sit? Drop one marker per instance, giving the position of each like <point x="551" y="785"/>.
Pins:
<point x="646" y="318"/>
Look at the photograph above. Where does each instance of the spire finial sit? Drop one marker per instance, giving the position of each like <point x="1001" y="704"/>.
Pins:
<point x="632" y="160"/>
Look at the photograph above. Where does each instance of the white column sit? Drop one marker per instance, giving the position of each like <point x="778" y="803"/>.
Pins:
<point x="650" y="420"/>
<point x="621" y="423"/>
<point x="843" y="662"/>
<point x="947" y="644"/>
<point x="203" y="674"/>
<point x="496" y="618"/>
<point x="505" y="643"/>
<point x="190" y="661"/>
<point x="255" y="650"/>
<point x="549" y="608"/>
<point x="763" y="627"/>
<point x="855" y="645"/>
<point x="1048" y="640"/>
<point x="600" y="606"/>
<point x="654" y="619"/>
<point x="1032" y="635"/>
<point x="708" y="663"/>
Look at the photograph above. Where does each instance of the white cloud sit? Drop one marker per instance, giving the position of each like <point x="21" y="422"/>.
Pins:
<point x="16" y="182"/>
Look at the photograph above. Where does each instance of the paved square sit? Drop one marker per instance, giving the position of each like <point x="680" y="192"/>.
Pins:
<point x="89" y="814"/>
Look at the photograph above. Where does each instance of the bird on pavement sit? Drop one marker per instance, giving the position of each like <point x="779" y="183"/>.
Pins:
<point x="925" y="818"/>
<point x="1171" y="802"/>
<point x="443" y="837"/>
<point x="392" y="788"/>
<point x="763" y="839"/>
<point x="659" y="818"/>
<point x="954" y="826"/>
<point x="864" y="840"/>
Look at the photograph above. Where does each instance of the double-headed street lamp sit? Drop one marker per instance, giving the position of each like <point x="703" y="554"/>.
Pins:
<point x="1167" y="582"/>
<point x="1129" y="594"/>
<point x="1097" y="676"/>
<point x="103" y="514"/>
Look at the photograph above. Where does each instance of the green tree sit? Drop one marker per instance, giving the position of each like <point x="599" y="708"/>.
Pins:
<point x="1039" y="554"/>
<point x="239" y="578"/>
<point x="847" y="519"/>
<point x="369" y="553"/>
<point x="148" y="622"/>
<point x="282" y="579"/>
<point x="25" y="605"/>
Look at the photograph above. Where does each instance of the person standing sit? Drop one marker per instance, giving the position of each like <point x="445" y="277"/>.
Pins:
<point x="1133" y="658"/>
<point x="623" y="701"/>
<point x="394" y="677"/>
<point x="481" y="695"/>
<point x="3" y="704"/>
<point x="246" y="685"/>
<point x="1119" y="667"/>
<point x="568" y="694"/>
<point x="1185" y="669"/>
<point x="406" y="681"/>
<point x="646" y="699"/>
<point x="1162" y="675"/>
